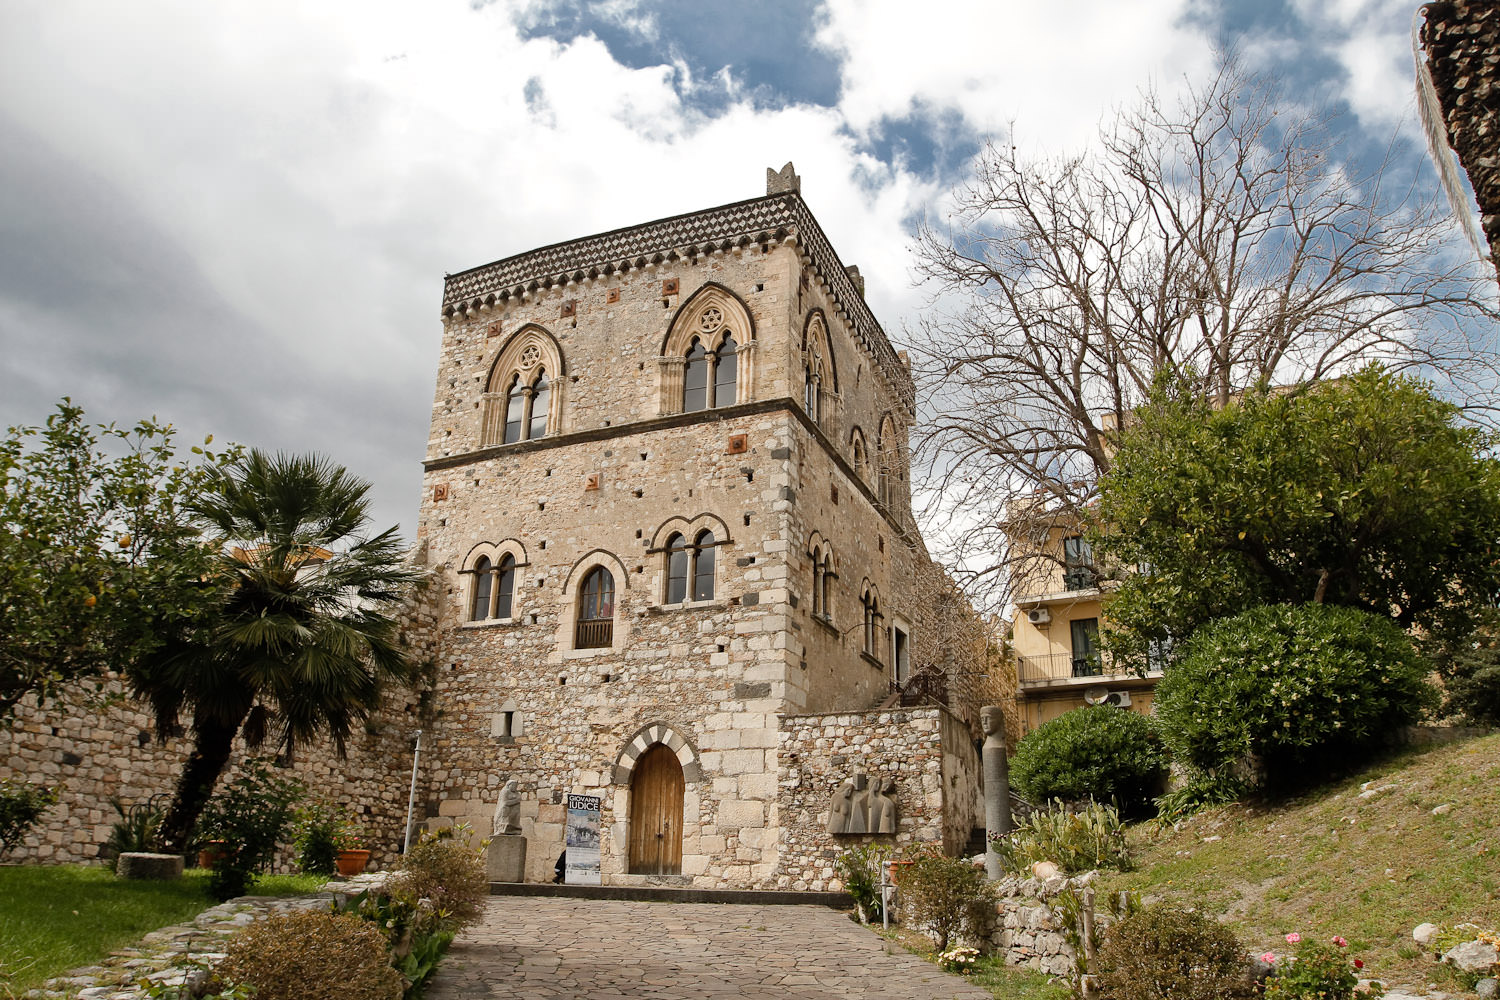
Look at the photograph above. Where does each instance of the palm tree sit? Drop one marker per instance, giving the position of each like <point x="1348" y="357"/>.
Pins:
<point x="299" y="634"/>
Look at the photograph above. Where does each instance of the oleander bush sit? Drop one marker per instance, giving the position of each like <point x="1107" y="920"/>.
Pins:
<point x="1285" y="695"/>
<point x="1165" y="953"/>
<point x="1076" y="840"/>
<point x="312" y="956"/>
<point x="1098" y="752"/>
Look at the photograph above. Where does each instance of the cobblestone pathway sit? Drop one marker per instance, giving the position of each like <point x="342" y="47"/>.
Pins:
<point x="541" y="948"/>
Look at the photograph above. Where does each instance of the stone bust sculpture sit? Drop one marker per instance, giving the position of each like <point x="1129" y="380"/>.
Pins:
<point x="507" y="821"/>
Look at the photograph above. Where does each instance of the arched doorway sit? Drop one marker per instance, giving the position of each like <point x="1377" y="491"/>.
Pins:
<point x="656" y="813"/>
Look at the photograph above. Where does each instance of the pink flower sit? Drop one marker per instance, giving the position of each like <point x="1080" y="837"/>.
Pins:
<point x="1269" y="958"/>
<point x="1293" y="938"/>
<point x="1341" y="942"/>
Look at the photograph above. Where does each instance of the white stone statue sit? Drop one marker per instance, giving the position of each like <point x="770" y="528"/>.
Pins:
<point x="507" y="821"/>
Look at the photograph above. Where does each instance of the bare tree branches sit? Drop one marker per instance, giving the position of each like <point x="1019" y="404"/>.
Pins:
<point x="1221" y="239"/>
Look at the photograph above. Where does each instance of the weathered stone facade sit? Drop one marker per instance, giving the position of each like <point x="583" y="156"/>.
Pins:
<point x="566" y="440"/>
<point x="1462" y="42"/>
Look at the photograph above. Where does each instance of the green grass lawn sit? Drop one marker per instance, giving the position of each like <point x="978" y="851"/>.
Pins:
<point x="58" y="917"/>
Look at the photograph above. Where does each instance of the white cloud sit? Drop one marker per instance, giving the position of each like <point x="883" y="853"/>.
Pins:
<point x="1370" y="40"/>
<point x="1054" y="69"/>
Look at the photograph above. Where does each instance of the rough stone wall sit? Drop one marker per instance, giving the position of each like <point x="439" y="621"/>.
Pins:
<point x="97" y="753"/>
<point x="818" y="752"/>
<point x="1462" y="41"/>
<point x="97" y="749"/>
<point x="1027" y="930"/>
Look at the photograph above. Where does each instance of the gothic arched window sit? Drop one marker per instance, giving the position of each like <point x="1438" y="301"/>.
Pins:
<point x="690" y="566"/>
<point x="505" y="587"/>
<point x="703" y="566"/>
<point x="822" y="589"/>
<point x="479" y="608"/>
<point x="678" y="570"/>
<point x="596" y="610"/>
<point x="870" y="604"/>
<point x="711" y="378"/>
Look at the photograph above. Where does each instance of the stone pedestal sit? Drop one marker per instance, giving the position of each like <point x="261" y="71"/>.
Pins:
<point x="155" y="866"/>
<point x="506" y="858"/>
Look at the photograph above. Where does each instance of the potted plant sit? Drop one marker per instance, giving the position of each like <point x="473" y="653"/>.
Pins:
<point x="328" y="841"/>
<point x="352" y="855"/>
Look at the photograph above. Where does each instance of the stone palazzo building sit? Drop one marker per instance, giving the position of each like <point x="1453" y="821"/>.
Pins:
<point x="667" y="505"/>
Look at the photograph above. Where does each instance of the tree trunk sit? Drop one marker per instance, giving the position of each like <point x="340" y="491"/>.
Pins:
<point x="212" y="743"/>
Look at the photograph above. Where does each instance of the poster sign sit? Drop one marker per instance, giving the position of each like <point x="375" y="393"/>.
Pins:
<point x="581" y="838"/>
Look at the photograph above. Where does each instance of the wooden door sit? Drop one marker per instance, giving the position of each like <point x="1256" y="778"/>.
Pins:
<point x="656" y="813"/>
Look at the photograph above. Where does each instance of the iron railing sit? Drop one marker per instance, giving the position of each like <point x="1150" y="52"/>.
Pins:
<point x="1060" y="666"/>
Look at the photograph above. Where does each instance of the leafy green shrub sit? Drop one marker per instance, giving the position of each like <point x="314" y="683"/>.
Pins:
<point x="413" y="928"/>
<point x="860" y="867"/>
<point x="322" y="831"/>
<point x="250" y="816"/>
<point x="312" y="956"/>
<point x="1163" y="953"/>
<point x="1289" y="692"/>
<point x="1318" y="971"/>
<point x="1076" y="841"/>
<point x="445" y="870"/>
<point x="1101" y="752"/>
<point x="135" y="830"/>
<point x="944" y="895"/>
<point x="22" y="804"/>
<point x="1471" y="673"/>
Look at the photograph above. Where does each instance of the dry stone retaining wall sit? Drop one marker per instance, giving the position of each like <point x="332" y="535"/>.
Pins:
<point x="818" y="752"/>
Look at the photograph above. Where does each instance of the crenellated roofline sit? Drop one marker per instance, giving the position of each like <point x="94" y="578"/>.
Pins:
<point x="782" y="218"/>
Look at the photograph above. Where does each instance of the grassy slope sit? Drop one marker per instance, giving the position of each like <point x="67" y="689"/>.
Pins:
<point x="1331" y="862"/>
<point x="58" y="917"/>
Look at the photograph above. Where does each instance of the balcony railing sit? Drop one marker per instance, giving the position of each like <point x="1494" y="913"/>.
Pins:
<point x="1062" y="666"/>
<point x="1080" y="578"/>
<point x="594" y="633"/>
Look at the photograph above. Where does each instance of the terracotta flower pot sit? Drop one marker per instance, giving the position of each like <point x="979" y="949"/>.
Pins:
<point x="896" y="868"/>
<point x="351" y="862"/>
<point x="211" y="851"/>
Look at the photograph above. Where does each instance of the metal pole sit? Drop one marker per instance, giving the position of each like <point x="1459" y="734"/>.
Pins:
<point x="411" y="798"/>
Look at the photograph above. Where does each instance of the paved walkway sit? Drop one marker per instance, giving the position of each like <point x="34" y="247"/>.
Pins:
<point x="543" y="948"/>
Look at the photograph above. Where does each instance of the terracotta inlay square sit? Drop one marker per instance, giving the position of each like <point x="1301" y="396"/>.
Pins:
<point x="738" y="444"/>
<point x="612" y="296"/>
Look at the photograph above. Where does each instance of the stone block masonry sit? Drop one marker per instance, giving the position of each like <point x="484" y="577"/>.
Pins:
<point x="818" y="752"/>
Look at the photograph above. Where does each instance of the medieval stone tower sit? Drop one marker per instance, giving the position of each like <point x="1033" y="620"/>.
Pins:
<point x="667" y="501"/>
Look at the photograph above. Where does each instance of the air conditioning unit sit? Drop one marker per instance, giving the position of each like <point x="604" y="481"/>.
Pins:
<point x="1104" y="696"/>
<point x="1039" y="616"/>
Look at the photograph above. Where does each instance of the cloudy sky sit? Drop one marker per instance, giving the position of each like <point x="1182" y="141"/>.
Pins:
<point x="237" y="215"/>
